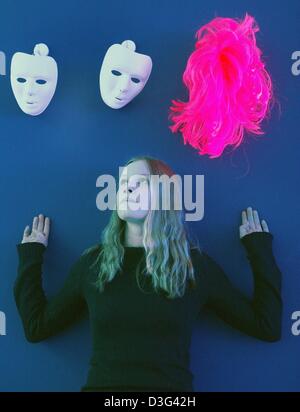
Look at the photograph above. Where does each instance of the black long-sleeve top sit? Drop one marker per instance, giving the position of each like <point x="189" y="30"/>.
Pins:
<point x="141" y="340"/>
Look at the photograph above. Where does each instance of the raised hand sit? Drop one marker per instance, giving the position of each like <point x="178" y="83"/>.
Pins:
<point x="40" y="231"/>
<point x="251" y="223"/>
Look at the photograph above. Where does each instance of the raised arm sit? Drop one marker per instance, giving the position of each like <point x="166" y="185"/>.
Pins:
<point x="260" y="316"/>
<point x="42" y="318"/>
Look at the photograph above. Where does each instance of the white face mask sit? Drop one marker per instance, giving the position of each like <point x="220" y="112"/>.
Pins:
<point x="123" y="74"/>
<point x="33" y="79"/>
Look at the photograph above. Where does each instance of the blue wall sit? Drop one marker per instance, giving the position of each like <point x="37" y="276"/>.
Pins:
<point x="50" y="163"/>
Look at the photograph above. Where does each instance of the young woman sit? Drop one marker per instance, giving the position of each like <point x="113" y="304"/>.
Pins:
<point x="143" y="287"/>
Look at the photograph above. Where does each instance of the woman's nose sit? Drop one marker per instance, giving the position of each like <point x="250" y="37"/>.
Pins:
<point x="128" y="189"/>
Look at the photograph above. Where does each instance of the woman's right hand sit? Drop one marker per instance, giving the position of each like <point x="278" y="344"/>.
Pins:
<point x="40" y="231"/>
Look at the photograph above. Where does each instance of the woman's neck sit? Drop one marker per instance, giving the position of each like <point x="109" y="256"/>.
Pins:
<point x="133" y="234"/>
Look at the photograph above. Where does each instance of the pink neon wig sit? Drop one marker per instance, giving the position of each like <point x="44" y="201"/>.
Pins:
<point x="229" y="88"/>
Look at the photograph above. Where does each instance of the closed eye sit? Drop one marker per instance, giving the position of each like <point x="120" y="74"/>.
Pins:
<point x="141" y="182"/>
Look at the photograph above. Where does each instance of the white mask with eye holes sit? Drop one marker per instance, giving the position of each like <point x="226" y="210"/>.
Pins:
<point x="33" y="79"/>
<point x="123" y="74"/>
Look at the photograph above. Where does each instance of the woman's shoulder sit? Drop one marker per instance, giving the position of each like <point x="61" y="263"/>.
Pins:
<point x="198" y="254"/>
<point x="88" y="261"/>
<point x="91" y="253"/>
<point x="205" y="266"/>
<point x="200" y="259"/>
<point x="92" y="249"/>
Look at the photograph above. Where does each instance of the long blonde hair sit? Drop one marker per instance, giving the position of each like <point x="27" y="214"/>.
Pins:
<point x="166" y="242"/>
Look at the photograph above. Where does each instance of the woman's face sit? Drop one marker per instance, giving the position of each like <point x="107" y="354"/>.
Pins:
<point x="133" y="196"/>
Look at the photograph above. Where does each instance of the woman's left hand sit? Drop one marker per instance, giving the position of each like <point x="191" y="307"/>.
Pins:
<point x="251" y="223"/>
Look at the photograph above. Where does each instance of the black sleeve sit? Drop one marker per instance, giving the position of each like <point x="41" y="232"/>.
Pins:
<point x="42" y="318"/>
<point x="260" y="316"/>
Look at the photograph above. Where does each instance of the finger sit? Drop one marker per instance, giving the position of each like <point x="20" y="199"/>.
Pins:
<point x="242" y="231"/>
<point x="47" y="227"/>
<point x="250" y="217"/>
<point x="26" y="232"/>
<point x="40" y="227"/>
<point x="256" y="220"/>
<point x="244" y="218"/>
<point x="264" y="226"/>
<point x="35" y="223"/>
